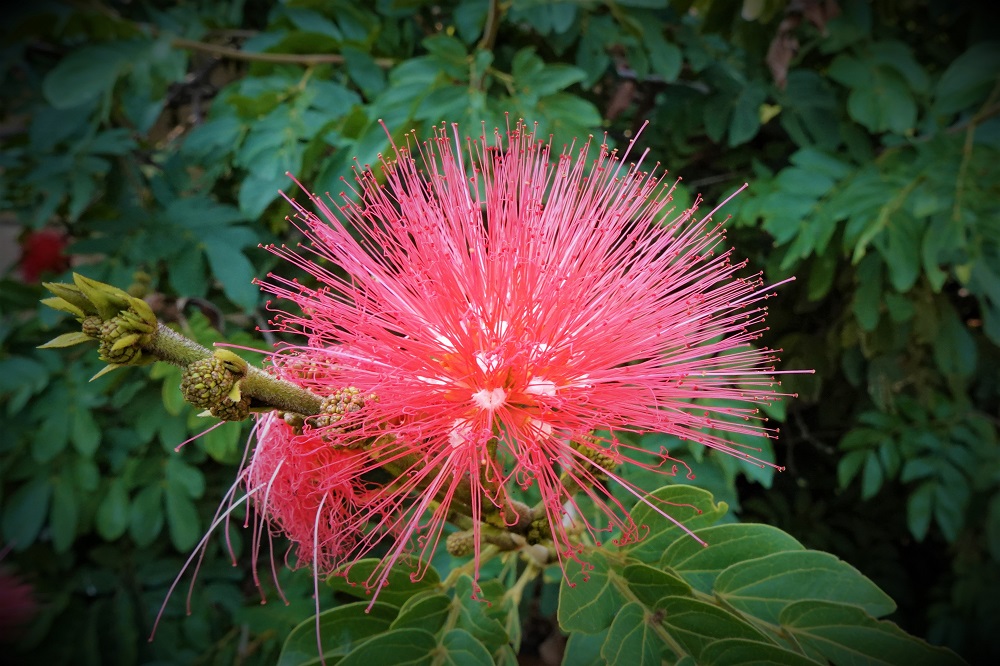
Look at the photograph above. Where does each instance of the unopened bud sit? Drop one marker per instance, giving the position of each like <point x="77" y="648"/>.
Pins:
<point x="207" y="382"/>
<point x="460" y="544"/>
<point x="227" y="410"/>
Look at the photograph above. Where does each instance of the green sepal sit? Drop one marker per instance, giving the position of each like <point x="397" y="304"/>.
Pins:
<point x="233" y="362"/>
<point x="235" y="394"/>
<point x="126" y="341"/>
<point x="141" y="308"/>
<point x="63" y="305"/>
<point x="108" y="300"/>
<point x="105" y="370"/>
<point x="71" y="294"/>
<point x="67" y="340"/>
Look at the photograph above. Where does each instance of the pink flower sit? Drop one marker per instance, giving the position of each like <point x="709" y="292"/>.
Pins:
<point x="511" y="310"/>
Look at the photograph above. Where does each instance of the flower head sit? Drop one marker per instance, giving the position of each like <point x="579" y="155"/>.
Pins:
<point x="511" y="309"/>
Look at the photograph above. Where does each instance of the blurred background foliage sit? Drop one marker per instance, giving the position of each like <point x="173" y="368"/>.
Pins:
<point x="144" y="144"/>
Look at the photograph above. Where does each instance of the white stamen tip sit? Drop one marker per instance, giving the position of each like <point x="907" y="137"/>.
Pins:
<point x="489" y="399"/>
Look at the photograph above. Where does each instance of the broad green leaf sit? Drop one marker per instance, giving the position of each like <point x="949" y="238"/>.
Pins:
<point x="727" y="544"/>
<point x="650" y="584"/>
<point x="585" y="649"/>
<point x="661" y="512"/>
<point x="589" y="600"/>
<point x="460" y="648"/>
<point x="341" y="630"/>
<point x="695" y="624"/>
<point x="764" y="586"/>
<point x="632" y="638"/>
<point x="231" y="267"/>
<point x="88" y="72"/>
<point x="64" y="516"/>
<point x="86" y="434"/>
<point x="182" y="518"/>
<point x="112" y="512"/>
<point x="968" y="79"/>
<point x="404" y="647"/>
<point x="398" y="588"/>
<point x="847" y="635"/>
<point x="24" y="512"/>
<point x="741" y="652"/>
<point x="146" y="515"/>
<point x="425" y="610"/>
<point x="472" y="615"/>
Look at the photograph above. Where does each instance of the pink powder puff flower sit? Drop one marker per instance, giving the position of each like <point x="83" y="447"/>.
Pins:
<point x="511" y="310"/>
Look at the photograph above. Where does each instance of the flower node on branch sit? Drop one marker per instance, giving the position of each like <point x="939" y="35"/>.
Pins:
<point x="207" y="383"/>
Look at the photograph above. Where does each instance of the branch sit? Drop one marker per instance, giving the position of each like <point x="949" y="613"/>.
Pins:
<point x="231" y="53"/>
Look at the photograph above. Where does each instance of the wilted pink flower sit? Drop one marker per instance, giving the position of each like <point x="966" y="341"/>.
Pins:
<point x="511" y="310"/>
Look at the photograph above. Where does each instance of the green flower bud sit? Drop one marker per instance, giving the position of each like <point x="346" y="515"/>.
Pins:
<point x="206" y="383"/>
<point x="460" y="544"/>
<point x="227" y="410"/>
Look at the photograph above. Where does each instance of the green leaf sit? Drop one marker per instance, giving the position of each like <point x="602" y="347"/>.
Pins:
<point x="459" y="647"/>
<point x="231" y="267"/>
<point x="871" y="476"/>
<point x="695" y="624"/>
<point x="24" y="512"/>
<point x="847" y="635"/>
<point x="632" y="639"/>
<point x="223" y="443"/>
<point x="472" y="615"/>
<point x="588" y="601"/>
<point x="764" y="586"/>
<point x="650" y="585"/>
<point x="968" y="79"/>
<point x="184" y="477"/>
<point x="740" y="652"/>
<point x="692" y="507"/>
<point x="727" y="544"/>
<point x="398" y="586"/>
<point x="426" y="610"/>
<point x="64" y="517"/>
<point x="182" y="518"/>
<point x="146" y="515"/>
<point x="112" y="512"/>
<point x="88" y="72"/>
<point x="86" y="435"/>
<point x="585" y="649"/>
<point x="341" y="630"/>
<point x="398" y="646"/>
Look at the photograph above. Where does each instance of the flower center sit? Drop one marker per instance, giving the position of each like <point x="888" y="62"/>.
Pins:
<point x="489" y="399"/>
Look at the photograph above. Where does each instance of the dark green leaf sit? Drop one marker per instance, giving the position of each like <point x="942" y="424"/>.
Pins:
<point x="632" y="638"/>
<point x="146" y="515"/>
<point x="182" y="518"/>
<point x="847" y="635"/>
<point x="112" y="512"/>
<point x="650" y="585"/>
<point x="459" y="647"/>
<point x="696" y="624"/>
<point x="88" y="72"/>
<point x="398" y="588"/>
<point x="588" y="601"/>
<point x="426" y="610"/>
<point x="473" y="615"/>
<point x="692" y="507"/>
<point x="764" y="586"/>
<point x="405" y="647"/>
<point x="727" y="544"/>
<point x="740" y="652"/>
<point x="341" y="630"/>
<point x="64" y="517"/>
<point x="24" y="512"/>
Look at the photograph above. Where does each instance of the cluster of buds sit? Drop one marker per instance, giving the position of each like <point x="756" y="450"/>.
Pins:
<point x="122" y="324"/>
<point x="213" y="384"/>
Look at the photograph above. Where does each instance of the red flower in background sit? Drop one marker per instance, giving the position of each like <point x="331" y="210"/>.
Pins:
<point x="42" y="252"/>
<point x="511" y="310"/>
